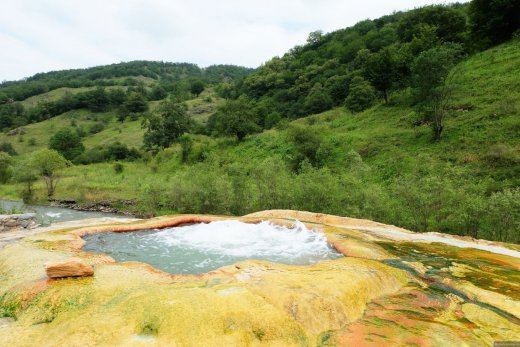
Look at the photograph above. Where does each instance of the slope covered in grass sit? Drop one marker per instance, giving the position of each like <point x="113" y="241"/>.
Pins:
<point x="377" y="164"/>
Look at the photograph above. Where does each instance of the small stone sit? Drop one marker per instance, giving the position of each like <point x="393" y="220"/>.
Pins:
<point x="72" y="267"/>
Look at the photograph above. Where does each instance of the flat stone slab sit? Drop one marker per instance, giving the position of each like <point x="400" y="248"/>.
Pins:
<point x="73" y="267"/>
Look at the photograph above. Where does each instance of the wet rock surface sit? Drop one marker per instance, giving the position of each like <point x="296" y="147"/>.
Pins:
<point x="392" y="288"/>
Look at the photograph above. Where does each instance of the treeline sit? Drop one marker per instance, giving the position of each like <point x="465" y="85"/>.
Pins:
<point x="126" y="102"/>
<point x="117" y="74"/>
<point x="361" y="65"/>
<point x="129" y="97"/>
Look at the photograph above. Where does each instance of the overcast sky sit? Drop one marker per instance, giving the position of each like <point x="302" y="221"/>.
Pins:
<point x="40" y="35"/>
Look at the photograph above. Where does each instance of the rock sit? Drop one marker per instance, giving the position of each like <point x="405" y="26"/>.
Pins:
<point x="10" y="222"/>
<point x="5" y="322"/>
<point x="72" y="267"/>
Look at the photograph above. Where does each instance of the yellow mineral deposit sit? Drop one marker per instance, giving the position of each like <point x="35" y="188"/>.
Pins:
<point x="393" y="287"/>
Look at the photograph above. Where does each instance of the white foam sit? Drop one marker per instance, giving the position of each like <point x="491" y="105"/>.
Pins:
<point x="238" y="239"/>
<point x="53" y="214"/>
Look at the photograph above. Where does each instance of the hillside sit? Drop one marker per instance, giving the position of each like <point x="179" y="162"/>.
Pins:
<point x="340" y="125"/>
<point x="375" y="164"/>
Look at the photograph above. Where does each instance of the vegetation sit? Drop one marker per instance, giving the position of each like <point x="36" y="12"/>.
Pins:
<point x="342" y="125"/>
<point x="166" y="126"/>
<point x="67" y="143"/>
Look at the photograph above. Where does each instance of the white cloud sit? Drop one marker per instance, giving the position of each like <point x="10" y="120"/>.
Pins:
<point x="39" y="35"/>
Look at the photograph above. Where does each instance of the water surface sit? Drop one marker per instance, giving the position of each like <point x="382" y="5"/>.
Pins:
<point x="200" y="248"/>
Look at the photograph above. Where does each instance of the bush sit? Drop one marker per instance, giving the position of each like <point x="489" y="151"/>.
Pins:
<point x="6" y="170"/>
<point x="361" y="95"/>
<point x="118" y="168"/>
<point x="67" y="143"/>
<point x="503" y="216"/>
<point x="8" y="148"/>
<point x="96" y="128"/>
<point x="501" y="155"/>
<point x="306" y="143"/>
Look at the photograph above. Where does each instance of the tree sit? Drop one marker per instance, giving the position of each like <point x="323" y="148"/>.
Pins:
<point x="361" y="95"/>
<point x="235" y="118"/>
<point x="431" y="87"/>
<point x="166" y="126"/>
<point x="449" y="23"/>
<point x="97" y="100"/>
<point x="158" y="92"/>
<point x="314" y="38"/>
<point x="380" y="71"/>
<point x="197" y="87"/>
<point x="47" y="163"/>
<point x="318" y="100"/>
<point x="135" y="103"/>
<point x="116" y="96"/>
<point x="67" y="142"/>
<point x="25" y="172"/>
<point x="494" y="21"/>
<point x="337" y="87"/>
<point x="5" y="167"/>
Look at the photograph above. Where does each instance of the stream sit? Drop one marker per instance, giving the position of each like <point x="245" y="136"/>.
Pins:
<point x="46" y="215"/>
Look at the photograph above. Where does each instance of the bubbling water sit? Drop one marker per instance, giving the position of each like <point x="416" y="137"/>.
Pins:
<point x="200" y="248"/>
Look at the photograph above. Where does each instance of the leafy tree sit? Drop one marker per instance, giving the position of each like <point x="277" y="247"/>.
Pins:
<point x="116" y="96"/>
<point x="361" y="95"/>
<point x="431" y="75"/>
<point x="47" y="163"/>
<point x="166" y="126"/>
<point x="380" y="71"/>
<point x="5" y="167"/>
<point x="503" y="215"/>
<point x="158" y="92"/>
<point x="318" y="100"/>
<point x="11" y="114"/>
<point x="449" y="23"/>
<point x="135" y="103"/>
<point x="197" y="87"/>
<point x="494" y="21"/>
<point x="337" y="87"/>
<point x="306" y="145"/>
<point x="97" y="100"/>
<point x="235" y="118"/>
<point x="67" y="142"/>
<point x="315" y="38"/>
<point x="25" y="172"/>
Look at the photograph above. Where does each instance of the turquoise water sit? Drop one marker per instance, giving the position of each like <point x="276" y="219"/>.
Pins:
<point x="200" y="248"/>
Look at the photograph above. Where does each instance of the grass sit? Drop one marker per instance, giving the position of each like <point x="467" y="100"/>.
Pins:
<point x="478" y="155"/>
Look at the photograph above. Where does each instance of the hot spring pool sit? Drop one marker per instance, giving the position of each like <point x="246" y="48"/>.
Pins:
<point x="200" y="248"/>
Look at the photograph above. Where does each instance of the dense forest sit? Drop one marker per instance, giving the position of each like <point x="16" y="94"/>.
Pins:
<point x="409" y="119"/>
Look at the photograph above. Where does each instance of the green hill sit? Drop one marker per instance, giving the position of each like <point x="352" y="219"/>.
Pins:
<point x="304" y="149"/>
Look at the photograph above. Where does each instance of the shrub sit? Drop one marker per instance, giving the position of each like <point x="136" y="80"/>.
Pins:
<point x="8" y="148"/>
<point x="118" y="168"/>
<point x="5" y="167"/>
<point x="361" y="95"/>
<point x="67" y="143"/>
<point x="503" y="216"/>
<point x="96" y="128"/>
<point x="501" y="155"/>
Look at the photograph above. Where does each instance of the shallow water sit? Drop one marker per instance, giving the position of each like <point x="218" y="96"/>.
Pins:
<point x="200" y="248"/>
<point x="48" y="214"/>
